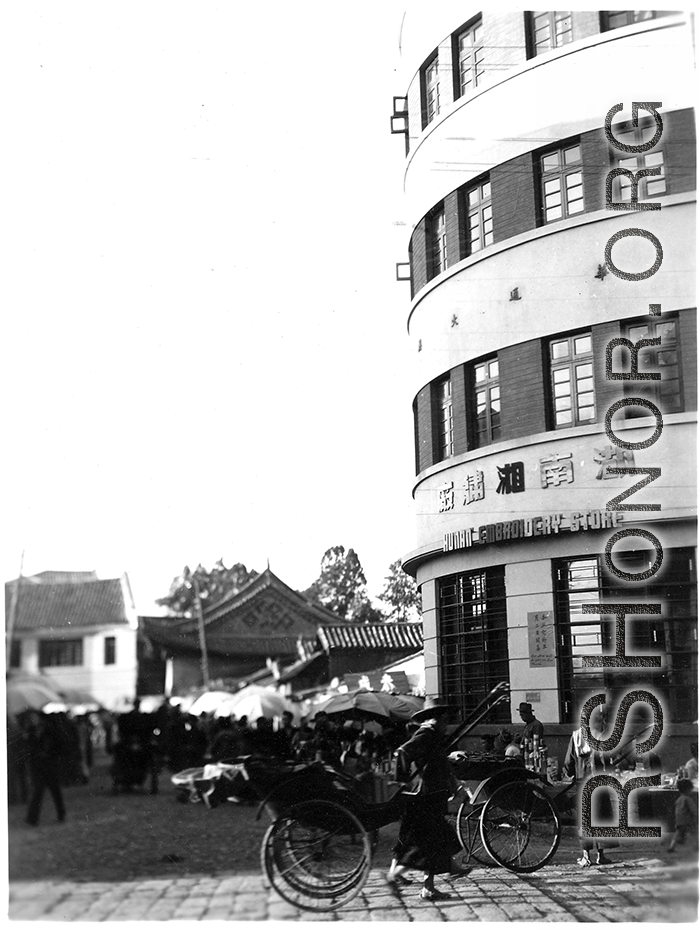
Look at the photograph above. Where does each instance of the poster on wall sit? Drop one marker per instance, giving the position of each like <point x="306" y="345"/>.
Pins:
<point x="540" y="636"/>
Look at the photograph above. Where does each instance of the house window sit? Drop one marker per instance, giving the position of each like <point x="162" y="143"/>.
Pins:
<point x="571" y="369"/>
<point x="437" y="242"/>
<point x="445" y="425"/>
<point x="54" y="652"/>
<point x="561" y="183"/>
<point x="16" y="653"/>
<point x="550" y="30"/>
<point x="614" y="19"/>
<point x="110" y="650"/>
<point x="487" y="402"/>
<point x="479" y="217"/>
<point x="431" y="91"/>
<point x="674" y="635"/>
<point x="664" y="358"/>
<point x="473" y="638"/>
<point x="648" y="187"/>
<point x="469" y="55"/>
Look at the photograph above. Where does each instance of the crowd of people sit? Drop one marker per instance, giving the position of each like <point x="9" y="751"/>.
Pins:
<point x="47" y="752"/>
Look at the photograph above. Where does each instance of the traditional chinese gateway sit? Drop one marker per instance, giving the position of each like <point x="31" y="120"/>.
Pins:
<point x="512" y="307"/>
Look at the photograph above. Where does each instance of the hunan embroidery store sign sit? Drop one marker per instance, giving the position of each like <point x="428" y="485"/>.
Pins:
<point x="549" y="524"/>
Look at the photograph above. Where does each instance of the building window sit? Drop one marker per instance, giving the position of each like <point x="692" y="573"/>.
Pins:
<point x="110" y="650"/>
<point x="437" y="242"/>
<point x="445" y="424"/>
<point x="473" y="638"/>
<point x="673" y="635"/>
<point x="648" y="187"/>
<point x="615" y="19"/>
<point x="487" y="402"/>
<point x="571" y="369"/>
<point x="469" y="56"/>
<point x="664" y="359"/>
<point x="479" y="217"/>
<point x="550" y="30"/>
<point x="561" y="183"/>
<point x="60" y="652"/>
<point x="431" y="91"/>
<point x="16" y="653"/>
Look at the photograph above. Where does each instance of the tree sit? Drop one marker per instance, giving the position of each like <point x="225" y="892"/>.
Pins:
<point x="342" y="586"/>
<point x="214" y="585"/>
<point x="401" y="594"/>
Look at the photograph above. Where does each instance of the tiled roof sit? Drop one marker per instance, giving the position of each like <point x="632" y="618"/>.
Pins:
<point x="61" y="606"/>
<point x="371" y="636"/>
<point x="62" y="577"/>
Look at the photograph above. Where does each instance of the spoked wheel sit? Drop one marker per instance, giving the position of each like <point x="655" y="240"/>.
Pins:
<point x="317" y="855"/>
<point x="469" y="834"/>
<point x="520" y="827"/>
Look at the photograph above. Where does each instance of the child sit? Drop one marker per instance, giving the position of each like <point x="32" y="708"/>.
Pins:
<point x="686" y="812"/>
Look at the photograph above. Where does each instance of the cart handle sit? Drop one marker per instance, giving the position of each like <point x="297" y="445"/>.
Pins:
<point x="465" y="728"/>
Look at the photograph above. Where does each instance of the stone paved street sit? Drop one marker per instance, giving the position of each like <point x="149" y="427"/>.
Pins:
<point x="634" y="889"/>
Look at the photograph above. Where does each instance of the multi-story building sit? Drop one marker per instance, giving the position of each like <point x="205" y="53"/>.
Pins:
<point x="519" y="290"/>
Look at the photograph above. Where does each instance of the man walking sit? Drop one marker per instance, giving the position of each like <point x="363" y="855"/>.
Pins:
<point x="44" y="747"/>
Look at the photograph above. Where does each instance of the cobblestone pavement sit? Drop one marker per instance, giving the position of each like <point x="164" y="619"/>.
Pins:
<point x="637" y="889"/>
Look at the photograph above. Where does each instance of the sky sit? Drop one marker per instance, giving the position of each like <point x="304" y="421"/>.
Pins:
<point x="205" y="345"/>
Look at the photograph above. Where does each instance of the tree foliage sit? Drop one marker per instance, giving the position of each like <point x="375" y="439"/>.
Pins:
<point x="401" y="594"/>
<point x="214" y="585"/>
<point x="342" y="586"/>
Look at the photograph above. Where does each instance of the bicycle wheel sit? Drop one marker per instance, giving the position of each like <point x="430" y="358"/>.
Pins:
<point x="520" y="827"/>
<point x="469" y="834"/>
<point x="317" y="855"/>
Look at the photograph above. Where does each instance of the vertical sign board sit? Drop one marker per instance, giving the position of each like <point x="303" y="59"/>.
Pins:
<point x="540" y="635"/>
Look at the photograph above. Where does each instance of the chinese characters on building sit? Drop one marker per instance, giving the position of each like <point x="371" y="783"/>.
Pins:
<point x="540" y="635"/>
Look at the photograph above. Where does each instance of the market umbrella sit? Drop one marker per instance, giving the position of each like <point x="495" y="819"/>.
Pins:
<point x="208" y="701"/>
<point x="380" y="703"/>
<point x="256" y="701"/>
<point x="25" y="694"/>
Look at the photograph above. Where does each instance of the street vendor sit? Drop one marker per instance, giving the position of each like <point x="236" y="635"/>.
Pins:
<point x="425" y="840"/>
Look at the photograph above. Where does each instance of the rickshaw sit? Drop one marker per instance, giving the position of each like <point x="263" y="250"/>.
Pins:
<point x="317" y="852"/>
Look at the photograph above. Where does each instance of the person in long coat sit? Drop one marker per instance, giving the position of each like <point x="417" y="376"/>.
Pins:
<point x="44" y="751"/>
<point x="425" y="839"/>
<point x="580" y="762"/>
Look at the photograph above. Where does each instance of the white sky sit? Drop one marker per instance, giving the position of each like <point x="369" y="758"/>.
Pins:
<point x="204" y="344"/>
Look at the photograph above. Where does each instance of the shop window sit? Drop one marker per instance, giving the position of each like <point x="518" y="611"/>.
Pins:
<point x="571" y="372"/>
<point x="487" y="402"/>
<point x="430" y="90"/>
<point x="473" y="638"/>
<point x="549" y="30"/>
<point x="437" y="241"/>
<point x="53" y="652"/>
<point x="664" y="359"/>
<point x="673" y="635"/>
<point x="444" y="418"/>
<point x="468" y="55"/>
<point x="561" y="183"/>
<point x="110" y="650"/>
<point x="479" y="213"/>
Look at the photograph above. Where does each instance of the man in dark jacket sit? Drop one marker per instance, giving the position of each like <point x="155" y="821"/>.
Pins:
<point x="44" y="751"/>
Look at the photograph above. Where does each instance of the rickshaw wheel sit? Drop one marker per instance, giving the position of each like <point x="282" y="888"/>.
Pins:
<point x="520" y="827"/>
<point x="469" y="834"/>
<point x="317" y="855"/>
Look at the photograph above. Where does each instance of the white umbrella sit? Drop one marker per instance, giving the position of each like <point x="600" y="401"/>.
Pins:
<point x="208" y="702"/>
<point x="254" y="701"/>
<point x="29" y="694"/>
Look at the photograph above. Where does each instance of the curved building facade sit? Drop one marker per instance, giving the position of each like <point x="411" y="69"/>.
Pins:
<point x="531" y="298"/>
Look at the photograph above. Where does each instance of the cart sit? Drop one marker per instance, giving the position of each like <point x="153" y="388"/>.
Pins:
<point x="317" y="852"/>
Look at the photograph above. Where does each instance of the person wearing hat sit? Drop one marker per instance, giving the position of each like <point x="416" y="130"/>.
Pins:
<point x="425" y="840"/>
<point x="533" y="727"/>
